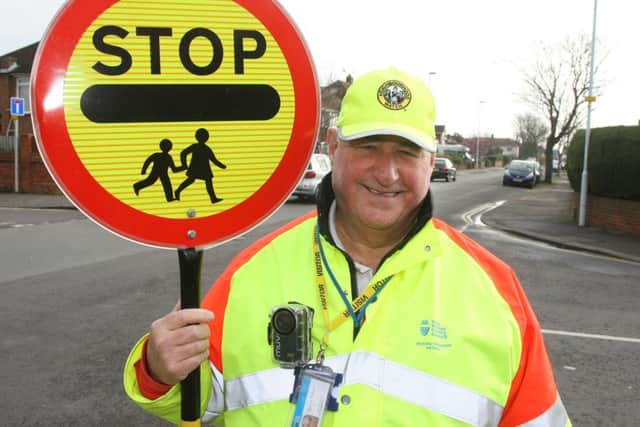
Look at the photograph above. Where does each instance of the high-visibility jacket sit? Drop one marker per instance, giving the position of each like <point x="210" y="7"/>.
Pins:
<point x="451" y="340"/>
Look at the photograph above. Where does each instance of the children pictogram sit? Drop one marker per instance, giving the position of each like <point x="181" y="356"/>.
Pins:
<point x="162" y="162"/>
<point x="199" y="167"/>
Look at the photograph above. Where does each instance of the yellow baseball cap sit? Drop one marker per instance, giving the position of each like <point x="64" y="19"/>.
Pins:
<point x="389" y="102"/>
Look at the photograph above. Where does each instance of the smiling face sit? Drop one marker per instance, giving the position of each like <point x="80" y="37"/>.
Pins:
<point x="379" y="182"/>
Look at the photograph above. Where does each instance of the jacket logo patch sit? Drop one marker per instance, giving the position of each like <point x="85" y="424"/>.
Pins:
<point x="435" y="334"/>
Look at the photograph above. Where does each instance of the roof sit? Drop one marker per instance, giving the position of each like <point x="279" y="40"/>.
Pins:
<point x="492" y="142"/>
<point x="19" y="61"/>
<point x="504" y="142"/>
<point x="333" y="93"/>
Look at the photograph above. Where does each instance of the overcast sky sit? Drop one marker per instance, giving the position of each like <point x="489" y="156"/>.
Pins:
<point x="476" y="49"/>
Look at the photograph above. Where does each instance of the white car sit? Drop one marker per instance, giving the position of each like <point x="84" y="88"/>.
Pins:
<point x="318" y="167"/>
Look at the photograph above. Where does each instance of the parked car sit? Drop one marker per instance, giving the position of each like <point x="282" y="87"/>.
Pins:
<point x="537" y="169"/>
<point x="318" y="167"/>
<point x="520" y="172"/>
<point x="444" y="169"/>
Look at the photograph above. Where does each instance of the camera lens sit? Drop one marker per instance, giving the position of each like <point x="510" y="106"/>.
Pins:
<point x="283" y="321"/>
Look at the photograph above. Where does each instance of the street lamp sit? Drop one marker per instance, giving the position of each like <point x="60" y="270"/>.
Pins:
<point x="478" y="136"/>
<point x="431" y="73"/>
<point x="587" y="135"/>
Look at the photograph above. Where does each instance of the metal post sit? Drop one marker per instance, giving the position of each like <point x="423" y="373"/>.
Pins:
<point x="190" y="261"/>
<point x="587" y="135"/>
<point x="16" y="158"/>
<point x="431" y="73"/>
<point x="478" y="136"/>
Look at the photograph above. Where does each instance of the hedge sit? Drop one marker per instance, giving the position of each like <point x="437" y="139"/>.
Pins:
<point x="614" y="162"/>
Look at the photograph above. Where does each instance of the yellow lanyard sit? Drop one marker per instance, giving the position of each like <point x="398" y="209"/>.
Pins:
<point x="354" y="309"/>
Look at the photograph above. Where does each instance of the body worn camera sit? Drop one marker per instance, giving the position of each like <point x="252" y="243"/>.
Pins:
<point x="289" y="333"/>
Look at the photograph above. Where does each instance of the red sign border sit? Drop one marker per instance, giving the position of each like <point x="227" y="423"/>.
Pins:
<point x="51" y="64"/>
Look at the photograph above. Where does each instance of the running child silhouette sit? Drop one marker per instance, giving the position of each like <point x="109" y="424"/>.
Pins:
<point x="161" y="161"/>
<point x="199" y="167"/>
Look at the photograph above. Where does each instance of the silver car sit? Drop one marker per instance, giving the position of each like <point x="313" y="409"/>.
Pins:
<point x="318" y="167"/>
<point x="537" y="169"/>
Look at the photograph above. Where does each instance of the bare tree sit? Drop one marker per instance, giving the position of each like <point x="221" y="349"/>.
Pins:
<point x="531" y="132"/>
<point x="556" y="86"/>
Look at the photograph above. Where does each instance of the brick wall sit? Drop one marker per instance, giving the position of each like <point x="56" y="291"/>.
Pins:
<point x="6" y="172"/>
<point x="611" y="214"/>
<point x="7" y="90"/>
<point x="34" y="177"/>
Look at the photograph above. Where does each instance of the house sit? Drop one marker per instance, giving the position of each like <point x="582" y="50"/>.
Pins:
<point x="485" y="145"/>
<point x="330" y="100"/>
<point x="15" y="76"/>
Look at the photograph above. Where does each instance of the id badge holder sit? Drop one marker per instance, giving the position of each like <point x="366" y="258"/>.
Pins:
<point x="312" y="394"/>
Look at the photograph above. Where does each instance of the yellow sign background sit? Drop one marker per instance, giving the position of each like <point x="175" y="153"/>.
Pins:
<point x="114" y="153"/>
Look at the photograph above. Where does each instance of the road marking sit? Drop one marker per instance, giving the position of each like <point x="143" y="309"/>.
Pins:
<point x="14" y="225"/>
<point x="43" y="209"/>
<point x="593" y="336"/>
<point x="474" y="216"/>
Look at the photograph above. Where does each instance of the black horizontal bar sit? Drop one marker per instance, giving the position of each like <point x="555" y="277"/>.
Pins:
<point x="140" y="103"/>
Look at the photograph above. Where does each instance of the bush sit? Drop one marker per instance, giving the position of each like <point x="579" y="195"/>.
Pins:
<point x="614" y="162"/>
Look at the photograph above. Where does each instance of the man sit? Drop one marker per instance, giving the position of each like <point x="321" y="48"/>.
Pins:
<point x="441" y="334"/>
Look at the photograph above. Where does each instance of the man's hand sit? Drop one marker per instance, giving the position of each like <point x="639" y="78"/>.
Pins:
<point x="178" y="343"/>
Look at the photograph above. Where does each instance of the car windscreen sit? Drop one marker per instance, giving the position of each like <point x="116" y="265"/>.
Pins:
<point x="520" y="167"/>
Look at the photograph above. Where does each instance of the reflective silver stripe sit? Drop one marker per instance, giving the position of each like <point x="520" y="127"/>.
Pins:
<point x="260" y="387"/>
<point x="390" y="378"/>
<point x="268" y="385"/>
<point x="215" y="405"/>
<point x="556" y="416"/>
<point x="422" y="389"/>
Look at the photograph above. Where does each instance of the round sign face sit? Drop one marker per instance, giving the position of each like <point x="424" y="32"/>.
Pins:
<point x="175" y="124"/>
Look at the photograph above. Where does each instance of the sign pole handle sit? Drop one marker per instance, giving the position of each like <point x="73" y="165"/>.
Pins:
<point x="190" y="261"/>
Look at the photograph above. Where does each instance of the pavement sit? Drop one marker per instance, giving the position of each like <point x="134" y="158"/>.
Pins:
<point x="544" y="213"/>
<point x="34" y="201"/>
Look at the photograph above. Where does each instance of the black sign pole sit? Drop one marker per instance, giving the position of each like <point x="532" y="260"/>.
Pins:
<point x="190" y="261"/>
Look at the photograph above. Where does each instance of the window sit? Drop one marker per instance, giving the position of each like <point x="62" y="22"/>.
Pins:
<point x="24" y="91"/>
<point x="324" y="164"/>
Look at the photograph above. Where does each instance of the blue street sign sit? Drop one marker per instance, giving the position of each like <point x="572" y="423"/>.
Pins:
<point x="17" y="106"/>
